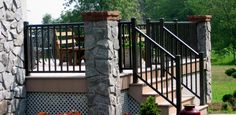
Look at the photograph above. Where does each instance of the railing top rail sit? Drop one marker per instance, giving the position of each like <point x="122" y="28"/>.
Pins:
<point x="150" y="39"/>
<point x="172" y="22"/>
<point x="57" y="24"/>
<point x="125" y="22"/>
<point x="181" y="41"/>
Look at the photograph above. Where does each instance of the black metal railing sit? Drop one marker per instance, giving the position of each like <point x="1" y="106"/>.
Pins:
<point x="164" y="73"/>
<point x="167" y="59"/>
<point x="191" y="60"/>
<point x="185" y="30"/>
<point x="54" y="48"/>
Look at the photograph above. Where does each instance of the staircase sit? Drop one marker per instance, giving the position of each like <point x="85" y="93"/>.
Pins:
<point x="173" y="71"/>
<point x="140" y="91"/>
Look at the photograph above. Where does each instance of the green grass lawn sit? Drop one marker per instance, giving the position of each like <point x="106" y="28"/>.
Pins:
<point x="221" y="83"/>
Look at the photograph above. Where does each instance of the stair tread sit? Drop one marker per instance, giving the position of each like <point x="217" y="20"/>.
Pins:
<point x="153" y="80"/>
<point x="155" y="93"/>
<point x="201" y="107"/>
<point x="184" y="99"/>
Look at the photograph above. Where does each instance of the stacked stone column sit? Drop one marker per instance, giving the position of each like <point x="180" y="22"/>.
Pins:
<point x="12" y="74"/>
<point x="204" y="45"/>
<point x="102" y="70"/>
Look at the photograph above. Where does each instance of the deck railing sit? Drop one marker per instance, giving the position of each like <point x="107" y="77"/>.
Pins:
<point x="54" y="48"/>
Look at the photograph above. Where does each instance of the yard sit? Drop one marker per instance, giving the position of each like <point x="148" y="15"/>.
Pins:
<point x="221" y="85"/>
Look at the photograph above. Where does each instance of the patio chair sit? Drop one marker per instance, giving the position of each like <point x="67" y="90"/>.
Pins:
<point x="66" y="43"/>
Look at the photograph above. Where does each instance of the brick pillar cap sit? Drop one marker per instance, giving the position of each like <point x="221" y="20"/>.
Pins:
<point x="200" y="18"/>
<point x="101" y="15"/>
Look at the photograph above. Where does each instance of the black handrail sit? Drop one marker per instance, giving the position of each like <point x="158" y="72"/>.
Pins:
<point x="153" y="42"/>
<point x="165" y="54"/>
<point x="179" y="40"/>
<point x="187" y="53"/>
<point x="165" y="71"/>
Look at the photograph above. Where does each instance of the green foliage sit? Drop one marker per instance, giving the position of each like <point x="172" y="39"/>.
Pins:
<point x="226" y="107"/>
<point x="231" y="99"/>
<point x="223" y="11"/>
<point x="234" y="74"/>
<point x="124" y="6"/>
<point x="227" y="97"/>
<point x="234" y="94"/>
<point x="47" y="18"/>
<point x="156" y="9"/>
<point x="224" y="56"/>
<point x="221" y="85"/>
<point x="149" y="107"/>
<point x="230" y="71"/>
<point x="223" y="22"/>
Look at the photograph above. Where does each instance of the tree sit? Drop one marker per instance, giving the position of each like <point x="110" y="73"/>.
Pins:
<point x="127" y="8"/>
<point x="47" y="18"/>
<point x="168" y="9"/>
<point x="224" y="20"/>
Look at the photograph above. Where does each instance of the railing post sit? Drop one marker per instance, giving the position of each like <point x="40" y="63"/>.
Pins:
<point x="120" y="51"/>
<point x="134" y="50"/>
<point x="202" y="80"/>
<point x="176" y="26"/>
<point x="163" y="45"/>
<point x="162" y="32"/>
<point x="178" y="83"/>
<point x="147" y="44"/>
<point x="26" y="64"/>
<point x="176" y="33"/>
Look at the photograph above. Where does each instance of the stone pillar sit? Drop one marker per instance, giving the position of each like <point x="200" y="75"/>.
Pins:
<point x="102" y="70"/>
<point x="204" y="45"/>
<point x="12" y="74"/>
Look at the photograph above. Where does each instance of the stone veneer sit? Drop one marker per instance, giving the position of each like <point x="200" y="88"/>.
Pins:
<point x="204" y="45"/>
<point x="12" y="74"/>
<point x="102" y="70"/>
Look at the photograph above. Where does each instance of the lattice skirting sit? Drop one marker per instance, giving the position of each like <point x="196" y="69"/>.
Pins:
<point x="63" y="102"/>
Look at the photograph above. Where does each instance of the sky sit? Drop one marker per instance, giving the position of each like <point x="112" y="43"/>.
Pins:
<point x="37" y="8"/>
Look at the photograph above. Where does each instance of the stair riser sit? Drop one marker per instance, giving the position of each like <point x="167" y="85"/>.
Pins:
<point x="160" y="99"/>
<point x="169" y="110"/>
<point x="147" y="75"/>
<point x="160" y="85"/>
<point x="150" y="74"/>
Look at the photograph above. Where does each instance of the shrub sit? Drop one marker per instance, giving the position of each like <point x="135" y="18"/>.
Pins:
<point x="230" y="100"/>
<point x="234" y="74"/>
<point x="230" y="71"/>
<point x="149" y="107"/>
<point x="226" y="107"/>
<point x="227" y="97"/>
<point x="234" y="94"/>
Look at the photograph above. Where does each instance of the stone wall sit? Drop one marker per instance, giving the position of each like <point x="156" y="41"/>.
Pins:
<point x="204" y="45"/>
<point x="102" y="71"/>
<point x="12" y="75"/>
